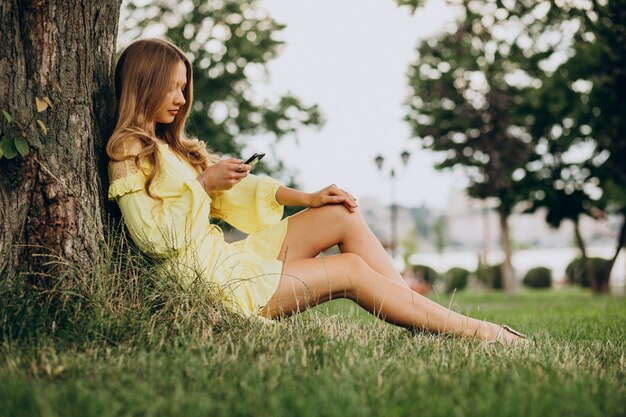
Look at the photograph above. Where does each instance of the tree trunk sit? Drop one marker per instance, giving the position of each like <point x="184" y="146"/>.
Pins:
<point x="51" y="200"/>
<point x="591" y="275"/>
<point x="621" y="242"/>
<point x="486" y="231"/>
<point x="509" y="283"/>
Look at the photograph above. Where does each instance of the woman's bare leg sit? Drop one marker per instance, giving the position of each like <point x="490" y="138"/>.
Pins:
<point x="317" y="229"/>
<point x="308" y="282"/>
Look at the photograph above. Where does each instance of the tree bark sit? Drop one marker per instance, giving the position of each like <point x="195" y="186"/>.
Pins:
<point x="52" y="201"/>
<point x="509" y="283"/>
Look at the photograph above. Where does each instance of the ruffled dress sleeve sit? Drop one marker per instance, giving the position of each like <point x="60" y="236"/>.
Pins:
<point x="128" y="184"/>
<point x="251" y="205"/>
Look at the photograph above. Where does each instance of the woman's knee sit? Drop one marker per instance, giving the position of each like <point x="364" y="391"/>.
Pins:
<point x="341" y="217"/>
<point x="354" y="261"/>
<point x="354" y="268"/>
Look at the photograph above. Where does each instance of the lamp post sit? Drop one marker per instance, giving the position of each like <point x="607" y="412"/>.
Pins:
<point x="404" y="156"/>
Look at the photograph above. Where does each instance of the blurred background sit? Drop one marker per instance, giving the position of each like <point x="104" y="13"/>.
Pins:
<point x="484" y="140"/>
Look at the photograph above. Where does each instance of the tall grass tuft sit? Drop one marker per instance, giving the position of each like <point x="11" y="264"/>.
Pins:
<point x="123" y="298"/>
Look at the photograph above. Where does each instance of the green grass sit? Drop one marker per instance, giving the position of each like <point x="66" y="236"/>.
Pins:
<point x="332" y="361"/>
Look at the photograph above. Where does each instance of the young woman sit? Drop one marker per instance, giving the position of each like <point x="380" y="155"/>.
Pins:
<point x="168" y="186"/>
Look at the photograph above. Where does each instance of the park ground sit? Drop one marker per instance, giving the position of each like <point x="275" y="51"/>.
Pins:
<point x="335" y="360"/>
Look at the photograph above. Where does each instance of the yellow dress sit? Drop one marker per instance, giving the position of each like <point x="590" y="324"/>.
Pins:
<point x="180" y="234"/>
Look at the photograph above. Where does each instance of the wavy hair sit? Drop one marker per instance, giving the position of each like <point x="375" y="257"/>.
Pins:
<point x="142" y="78"/>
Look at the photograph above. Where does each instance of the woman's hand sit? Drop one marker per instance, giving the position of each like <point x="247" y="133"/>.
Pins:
<point x="333" y="195"/>
<point x="224" y="175"/>
<point x="330" y="195"/>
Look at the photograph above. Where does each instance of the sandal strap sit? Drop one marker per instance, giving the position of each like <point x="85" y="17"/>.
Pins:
<point x="515" y="332"/>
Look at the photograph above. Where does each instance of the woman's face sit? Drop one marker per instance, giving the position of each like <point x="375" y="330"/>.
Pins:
<point x="175" y="96"/>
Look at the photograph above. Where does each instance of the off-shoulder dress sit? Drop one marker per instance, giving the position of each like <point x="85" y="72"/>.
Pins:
<point x="179" y="232"/>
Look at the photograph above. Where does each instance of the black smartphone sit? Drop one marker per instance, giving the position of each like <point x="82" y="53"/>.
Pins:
<point x="254" y="159"/>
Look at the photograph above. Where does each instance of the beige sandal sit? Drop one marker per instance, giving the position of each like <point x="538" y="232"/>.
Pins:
<point x="525" y="340"/>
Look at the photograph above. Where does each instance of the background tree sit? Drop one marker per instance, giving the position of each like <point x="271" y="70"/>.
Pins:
<point x="56" y="68"/>
<point x="579" y="108"/>
<point x="229" y="43"/>
<point x="467" y="89"/>
<point x="545" y="74"/>
<point x="600" y="60"/>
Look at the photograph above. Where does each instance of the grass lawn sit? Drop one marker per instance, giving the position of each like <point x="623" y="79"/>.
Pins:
<point x="337" y="361"/>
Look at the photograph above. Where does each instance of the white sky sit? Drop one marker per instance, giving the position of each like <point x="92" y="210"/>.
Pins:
<point x="351" y="58"/>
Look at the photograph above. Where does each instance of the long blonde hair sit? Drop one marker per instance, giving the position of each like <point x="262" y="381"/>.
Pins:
<point x="142" y="79"/>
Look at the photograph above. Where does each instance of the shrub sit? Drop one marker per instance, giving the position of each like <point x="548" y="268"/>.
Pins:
<point x="456" y="279"/>
<point x="577" y="273"/>
<point x="490" y="275"/>
<point x="426" y="273"/>
<point x="539" y="277"/>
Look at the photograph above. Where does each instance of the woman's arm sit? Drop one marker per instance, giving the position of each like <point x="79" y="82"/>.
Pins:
<point x="330" y="195"/>
<point x="227" y="173"/>
<point x="289" y="197"/>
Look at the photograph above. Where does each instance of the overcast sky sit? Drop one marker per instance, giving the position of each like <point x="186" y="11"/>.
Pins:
<point x="351" y="58"/>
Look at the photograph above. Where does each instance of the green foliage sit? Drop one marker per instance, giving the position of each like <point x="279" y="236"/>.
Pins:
<point x="490" y="275"/>
<point x="539" y="277"/>
<point x="467" y="97"/>
<point x="576" y="271"/>
<point x="229" y="43"/>
<point x="456" y="279"/>
<point x="569" y="113"/>
<point x="412" y="4"/>
<point x="7" y="148"/>
<point x="426" y="273"/>
<point x="22" y="146"/>
<point x="600" y="56"/>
